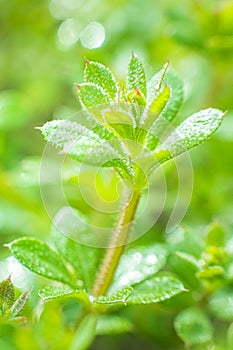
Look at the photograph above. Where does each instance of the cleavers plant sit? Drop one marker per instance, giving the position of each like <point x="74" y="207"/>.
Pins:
<point x="130" y="129"/>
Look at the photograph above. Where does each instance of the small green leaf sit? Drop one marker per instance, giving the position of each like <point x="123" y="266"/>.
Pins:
<point x="7" y="293"/>
<point x="136" y="77"/>
<point x="155" y="84"/>
<point x="193" y="327"/>
<point x="155" y="290"/>
<point x="85" y="333"/>
<point x="38" y="257"/>
<point x="190" y="259"/>
<point x="118" y="297"/>
<point x="216" y="235"/>
<point x="19" y="304"/>
<point x="156" y="108"/>
<point x="175" y="84"/>
<point x="221" y="304"/>
<point x="100" y="75"/>
<point x="121" y="122"/>
<point x="91" y="95"/>
<point x="193" y="131"/>
<point x="138" y="264"/>
<point x="54" y="292"/>
<point x="112" y="324"/>
<point x="230" y="337"/>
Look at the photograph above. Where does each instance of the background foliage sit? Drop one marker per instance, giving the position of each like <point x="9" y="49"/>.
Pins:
<point x="43" y="45"/>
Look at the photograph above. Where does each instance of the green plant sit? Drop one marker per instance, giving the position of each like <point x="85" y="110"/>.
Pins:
<point x="10" y="306"/>
<point x="129" y="129"/>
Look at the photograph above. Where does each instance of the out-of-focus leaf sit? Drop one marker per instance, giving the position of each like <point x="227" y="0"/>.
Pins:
<point x="221" y="304"/>
<point x="100" y="75"/>
<point x="155" y="290"/>
<point x="19" y="304"/>
<point x="136" y="77"/>
<point x="112" y="324"/>
<point x="85" y="333"/>
<point x="193" y="327"/>
<point x="118" y="297"/>
<point x="38" y="257"/>
<point x="138" y="264"/>
<point x="216" y="235"/>
<point x="190" y="259"/>
<point x="91" y="95"/>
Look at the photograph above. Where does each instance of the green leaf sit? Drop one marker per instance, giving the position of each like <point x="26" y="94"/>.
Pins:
<point x="100" y="75"/>
<point x="83" y="145"/>
<point x="193" y="131"/>
<point x="156" y="108"/>
<point x="138" y="264"/>
<point x="216" y="235"/>
<point x="85" y="260"/>
<point x="112" y="324"/>
<point x="221" y="304"/>
<point x="136" y="77"/>
<point x="38" y="257"/>
<point x="7" y="293"/>
<point x="155" y="290"/>
<point x="190" y="259"/>
<point x="54" y="292"/>
<point x="121" y="122"/>
<point x="155" y="84"/>
<point x="85" y="333"/>
<point x="175" y="84"/>
<point x="19" y="304"/>
<point x="193" y="327"/>
<point x="91" y="95"/>
<point x="118" y="297"/>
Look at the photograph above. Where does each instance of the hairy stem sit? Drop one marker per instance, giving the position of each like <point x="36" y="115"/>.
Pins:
<point x="116" y="247"/>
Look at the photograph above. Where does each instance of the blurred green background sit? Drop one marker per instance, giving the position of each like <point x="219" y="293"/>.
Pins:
<point x="43" y="46"/>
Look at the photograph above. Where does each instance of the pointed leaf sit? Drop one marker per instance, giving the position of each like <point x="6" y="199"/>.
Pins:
<point x="193" y="327"/>
<point x="91" y="95"/>
<point x="112" y="324"/>
<point x="100" y="75"/>
<point x="156" y="108"/>
<point x="193" y="131"/>
<point x="7" y="293"/>
<point x="175" y="84"/>
<point x="85" y="260"/>
<point x="136" y="75"/>
<point x="38" y="257"/>
<point x="19" y="304"/>
<point x="138" y="264"/>
<point x="155" y="84"/>
<point x="83" y="145"/>
<point x="155" y="290"/>
<point x="54" y="292"/>
<point x="118" y="297"/>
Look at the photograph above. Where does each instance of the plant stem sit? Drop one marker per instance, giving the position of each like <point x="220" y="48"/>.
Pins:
<point x="116" y="246"/>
